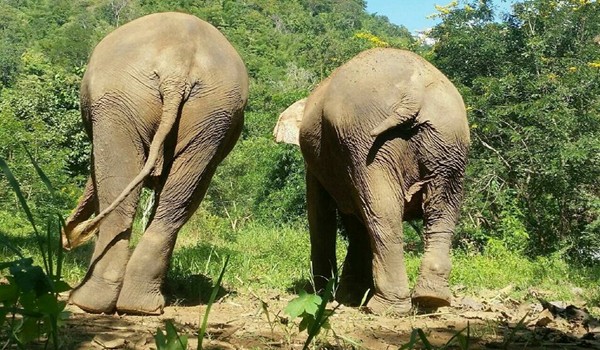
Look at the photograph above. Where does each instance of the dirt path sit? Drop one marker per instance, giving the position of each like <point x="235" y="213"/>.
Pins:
<point x="240" y="322"/>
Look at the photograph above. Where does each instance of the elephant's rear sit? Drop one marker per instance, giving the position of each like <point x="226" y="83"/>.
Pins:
<point x="141" y="61"/>
<point x="358" y="97"/>
<point x="380" y="83"/>
<point x="163" y="97"/>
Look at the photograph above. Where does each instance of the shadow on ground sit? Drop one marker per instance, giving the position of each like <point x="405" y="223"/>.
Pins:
<point x="191" y="290"/>
<point x="301" y="284"/>
<point x="184" y="285"/>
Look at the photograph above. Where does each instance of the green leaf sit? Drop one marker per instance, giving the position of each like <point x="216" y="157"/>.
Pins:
<point x="28" y="301"/>
<point x="60" y="286"/>
<point x="160" y="340"/>
<point x="8" y="293"/>
<point x="29" y="330"/>
<point x="304" y="303"/>
<point x="48" y="304"/>
<point x="3" y="318"/>
<point x="307" y="322"/>
<point x="211" y="300"/>
<point x="170" y="341"/>
<point x="424" y="339"/>
<point x="16" y="264"/>
<point x="322" y="314"/>
<point x="39" y="171"/>
<point x="31" y="278"/>
<point x="17" y="189"/>
<point x="176" y="342"/>
<point x="415" y="336"/>
<point x="411" y="342"/>
<point x="8" y="244"/>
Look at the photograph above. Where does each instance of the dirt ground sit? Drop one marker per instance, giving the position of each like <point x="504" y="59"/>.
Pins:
<point x="239" y="321"/>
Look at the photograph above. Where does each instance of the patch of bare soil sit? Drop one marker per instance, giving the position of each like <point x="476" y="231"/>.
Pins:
<point x="247" y="321"/>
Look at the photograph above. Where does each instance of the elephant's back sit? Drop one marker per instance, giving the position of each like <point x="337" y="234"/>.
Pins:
<point x="376" y="83"/>
<point x="337" y="141"/>
<point x="156" y="48"/>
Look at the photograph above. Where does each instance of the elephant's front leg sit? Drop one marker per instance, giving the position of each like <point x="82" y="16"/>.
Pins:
<point x="383" y="208"/>
<point x="323" y="228"/>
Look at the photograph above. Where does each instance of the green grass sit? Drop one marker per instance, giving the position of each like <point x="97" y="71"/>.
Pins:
<point x="550" y="275"/>
<point x="277" y="257"/>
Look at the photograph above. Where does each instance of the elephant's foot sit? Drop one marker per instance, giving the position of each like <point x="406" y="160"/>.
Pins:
<point x="140" y="298"/>
<point x="432" y="292"/>
<point x="382" y="306"/>
<point x="96" y="295"/>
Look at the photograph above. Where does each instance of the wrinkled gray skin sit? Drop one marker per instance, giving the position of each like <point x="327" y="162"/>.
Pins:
<point x="385" y="139"/>
<point x="162" y="101"/>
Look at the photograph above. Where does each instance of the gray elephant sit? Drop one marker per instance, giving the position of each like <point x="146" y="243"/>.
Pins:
<point x="385" y="139"/>
<point x="163" y="101"/>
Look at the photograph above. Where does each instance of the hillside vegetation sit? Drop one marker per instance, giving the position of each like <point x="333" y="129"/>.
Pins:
<point x="530" y="79"/>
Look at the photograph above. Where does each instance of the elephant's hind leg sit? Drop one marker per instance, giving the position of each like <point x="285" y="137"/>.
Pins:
<point x="441" y="201"/>
<point x="184" y="188"/>
<point x="357" y="276"/>
<point x="117" y="160"/>
<point x="383" y="210"/>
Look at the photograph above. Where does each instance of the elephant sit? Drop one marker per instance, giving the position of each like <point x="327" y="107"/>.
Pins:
<point x="385" y="138"/>
<point x="162" y="100"/>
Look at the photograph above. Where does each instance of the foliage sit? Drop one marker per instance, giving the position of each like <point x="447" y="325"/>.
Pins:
<point x="29" y="301"/>
<point x="531" y="87"/>
<point x="530" y="80"/>
<point x="288" y="48"/>
<point x="170" y="340"/>
<point x="312" y="308"/>
<point x="213" y="297"/>
<point x="304" y="306"/>
<point x="30" y="306"/>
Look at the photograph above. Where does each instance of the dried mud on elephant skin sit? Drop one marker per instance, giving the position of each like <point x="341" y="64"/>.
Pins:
<point x="237" y="321"/>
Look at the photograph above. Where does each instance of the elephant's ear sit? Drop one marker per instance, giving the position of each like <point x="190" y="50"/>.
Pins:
<point x="288" y="126"/>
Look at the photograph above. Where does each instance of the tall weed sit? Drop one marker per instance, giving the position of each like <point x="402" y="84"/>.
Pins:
<point x="30" y="304"/>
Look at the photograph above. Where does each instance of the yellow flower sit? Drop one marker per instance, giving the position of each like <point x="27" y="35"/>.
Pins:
<point x="572" y="69"/>
<point x="595" y="64"/>
<point x="446" y="9"/>
<point x="552" y="76"/>
<point x="376" y="41"/>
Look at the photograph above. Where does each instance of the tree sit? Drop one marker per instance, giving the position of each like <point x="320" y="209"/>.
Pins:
<point x="531" y="85"/>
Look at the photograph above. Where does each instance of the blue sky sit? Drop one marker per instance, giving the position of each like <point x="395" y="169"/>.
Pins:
<point x="413" y="13"/>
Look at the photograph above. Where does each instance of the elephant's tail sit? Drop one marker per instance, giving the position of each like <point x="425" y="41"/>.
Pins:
<point x="85" y="209"/>
<point x="172" y="101"/>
